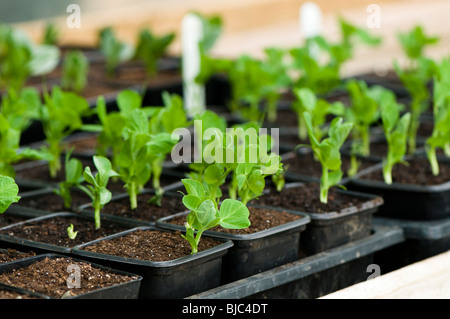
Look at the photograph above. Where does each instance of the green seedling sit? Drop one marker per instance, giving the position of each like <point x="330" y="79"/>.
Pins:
<point x="414" y="43"/>
<point x="205" y="213"/>
<point x="61" y="115"/>
<point x="440" y="138"/>
<point x="114" y="50"/>
<point x="320" y="62"/>
<point x="75" y="71"/>
<point x="8" y="192"/>
<point x="10" y="150"/>
<point x="74" y="177"/>
<point x="395" y="129"/>
<point x="71" y="233"/>
<point x="97" y="185"/>
<point x="51" y="34"/>
<point x="327" y="151"/>
<point x="416" y="83"/>
<point x="20" y="58"/>
<point x="150" y="48"/>
<point x="307" y="101"/>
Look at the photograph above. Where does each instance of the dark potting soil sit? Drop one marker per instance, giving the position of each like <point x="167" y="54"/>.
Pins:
<point x="39" y="171"/>
<point x="145" y="211"/>
<point x="9" y="294"/>
<point x="54" y="230"/>
<point x="12" y="255"/>
<point x="417" y="172"/>
<point x="260" y="219"/>
<point x="54" y="203"/>
<point x="305" y="198"/>
<point x="133" y="73"/>
<point x="150" y="245"/>
<point x="49" y="277"/>
<point x="6" y="219"/>
<point x="305" y="164"/>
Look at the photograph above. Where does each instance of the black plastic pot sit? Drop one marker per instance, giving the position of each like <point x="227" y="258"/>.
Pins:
<point x="423" y="239"/>
<point x="406" y="201"/>
<point x="256" y="252"/>
<point x="23" y="292"/>
<point x="129" y="290"/>
<point x="313" y="276"/>
<point x="168" y="279"/>
<point x="332" y="229"/>
<point x="7" y="240"/>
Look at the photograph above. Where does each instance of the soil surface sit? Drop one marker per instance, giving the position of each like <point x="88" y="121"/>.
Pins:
<point x="145" y="211"/>
<point x="260" y="219"/>
<point x="150" y="245"/>
<point x="54" y="203"/>
<point x="8" y="219"/>
<point x="9" y="294"/>
<point x="418" y="172"/>
<point x="306" y="199"/>
<point x="10" y="254"/>
<point x="49" y="277"/>
<point x="305" y="164"/>
<point x="54" y="230"/>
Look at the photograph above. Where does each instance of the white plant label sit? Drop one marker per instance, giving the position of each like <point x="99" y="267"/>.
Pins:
<point x="310" y="16"/>
<point x="194" y="93"/>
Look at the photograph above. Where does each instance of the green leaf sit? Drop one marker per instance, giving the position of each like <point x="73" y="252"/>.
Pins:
<point x="234" y="214"/>
<point x="193" y="187"/>
<point x="191" y="202"/>
<point x="8" y="192"/>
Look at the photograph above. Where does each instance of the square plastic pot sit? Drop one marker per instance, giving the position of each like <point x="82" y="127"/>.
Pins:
<point x="335" y="228"/>
<point x="405" y="201"/>
<point x="256" y="252"/>
<point x="42" y="247"/>
<point x="129" y="290"/>
<point x="313" y="276"/>
<point x="172" y="279"/>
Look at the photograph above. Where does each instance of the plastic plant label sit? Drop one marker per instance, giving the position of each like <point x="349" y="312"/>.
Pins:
<point x="310" y="17"/>
<point x="194" y="93"/>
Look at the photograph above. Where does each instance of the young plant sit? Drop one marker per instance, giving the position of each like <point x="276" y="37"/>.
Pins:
<point x="8" y="192"/>
<point x="307" y="101"/>
<point x="275" y="64"/>
<point x="10" y="150"/>
<point x="71" y="233"/>
<point x="75" y="71"/>
<point x="51" y="34"/>
<point x="252" y="83"/>
<point x="150" y="48"/>
<point x="98" y="182"/>
<point x="416" y="83"/>
<point x="74" y="178"/>
<point x="20" y="58"/>
<point x="320" y="62"/>
<point x="414" y="43"/>
<point x="61" y="115"/>
<point x="20" y="107"/>
<point x="395" y="129"/>
<point x="205" y="213"/>
<point x="133" y="160"/>
<point x="114" y="51"/>
<point x="440" y="137"/>
<point x="327" y="151"/>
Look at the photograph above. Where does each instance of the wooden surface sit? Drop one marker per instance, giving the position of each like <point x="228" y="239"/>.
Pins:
<point x="427" y="279"/>
<point x="252" y="25"/>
